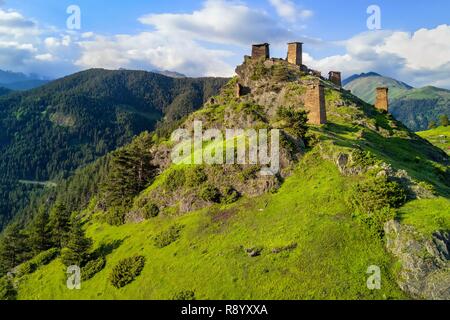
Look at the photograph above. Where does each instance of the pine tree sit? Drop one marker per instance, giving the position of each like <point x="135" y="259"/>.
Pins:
<point x="130" y="172"/>
<point x="77" y="250"/>
<point x="13" y="248"/>
<point x="40" y="235"/>
<point x="443" y="120"/>
<point x="59" y="223"/>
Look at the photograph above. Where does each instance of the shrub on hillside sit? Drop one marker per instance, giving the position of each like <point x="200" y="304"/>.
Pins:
<point x="375" y="199"/>
<point x="126" y="271"/>
<point x="363" y="158"/>
<point x="151" y="210"/>
<point x="259" y="71"/>
<point x="230" y="195"/>
<point x="250" y="172"/>
<point x="185" y="295"/>
<point x="166" y="237"/>
<point x="377" y="193"/>
<point x="40" y="260"/>
<point x="295" y="121"/>
<point x="92" y="268"/>
<point x="26" y="268"/>
<point x="196" y="176"/>
<point x="7" y="291"/>
<point x="210" y="194"/>
<point x="115" y="216"/>
<point x="46" y="257"/>
<point x="175" y="180"/>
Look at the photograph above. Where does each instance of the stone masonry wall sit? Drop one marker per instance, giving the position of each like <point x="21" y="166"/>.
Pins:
<point x="382" y="99"/>
<point x="295" y="53"/>
<point x="315" y="103"/>
<point x="260" y="51"/>
<point x="335" y="77"/>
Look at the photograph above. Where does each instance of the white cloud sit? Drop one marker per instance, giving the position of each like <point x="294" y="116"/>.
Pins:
<point x="289" y="10"/>
<point x="86" y="35"/>
<point x="211" y="41"/>
<point x="222" y="22"/>
<point x="419" y="58"/>
<point x="45" y="57"/>
<point x="188" y="42"/>
<point x="152" y="50"/>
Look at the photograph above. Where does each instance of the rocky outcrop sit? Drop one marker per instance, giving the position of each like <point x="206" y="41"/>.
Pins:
<point x="347" y="165"/>
<point x="425" y="265"/>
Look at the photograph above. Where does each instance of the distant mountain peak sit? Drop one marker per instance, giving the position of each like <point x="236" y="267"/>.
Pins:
<point x="171" y="74"/>
<point x="20" y="81"/>
<point x="374" y="74"/>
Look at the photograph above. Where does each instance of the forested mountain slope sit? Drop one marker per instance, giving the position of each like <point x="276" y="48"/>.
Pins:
<point x="48" y="132"/>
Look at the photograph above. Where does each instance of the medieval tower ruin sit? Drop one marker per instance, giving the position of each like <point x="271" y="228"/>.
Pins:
<point x="382" y="99"/>
<point x="260" y="51"/>
<point x="313" y="99"/>
<point x="315" y="103"/>
<point x="335" y="77"/>
<point x="295" y="52"/>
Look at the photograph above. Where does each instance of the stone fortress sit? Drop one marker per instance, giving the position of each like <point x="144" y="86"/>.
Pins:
<point x="314" y="98"/>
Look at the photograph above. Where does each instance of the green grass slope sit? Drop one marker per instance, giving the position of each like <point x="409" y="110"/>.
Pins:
<point x="329" y="258"/>
<point x="304" y="239"/>
<point x="440" y="137"/>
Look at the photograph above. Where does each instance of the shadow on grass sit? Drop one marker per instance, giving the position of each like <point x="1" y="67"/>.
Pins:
<point x="423" y="161"/>
<point x="107" y="248"/>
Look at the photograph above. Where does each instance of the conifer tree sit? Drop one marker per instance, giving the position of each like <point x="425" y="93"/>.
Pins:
<point x="40" y="235"/>
<point x="130" y="172"/>
<point x="443" y="120"/>
<point x="432" y="124"/>
<point x="13" y="248"/>
<point x="59" y="223"/>
<point x="77" y="250"/>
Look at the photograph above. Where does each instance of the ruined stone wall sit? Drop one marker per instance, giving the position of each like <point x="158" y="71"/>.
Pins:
<point x="295" y="53"/>
<point x="260" y="51"/>
<point x="335" y="77"/>
<point x="382" y="99"/>
<point x="315" y="103"/>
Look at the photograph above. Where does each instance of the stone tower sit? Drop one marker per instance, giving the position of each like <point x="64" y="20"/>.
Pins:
<point x="315" y="103"/>
<point x="335" y="77"/>
<point x="260" y="51"/>
<point x="295" y="51"/>
<point x="382" y="99"/>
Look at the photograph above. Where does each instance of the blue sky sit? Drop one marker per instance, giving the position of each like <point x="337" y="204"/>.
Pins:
<point x="210" y="37"/>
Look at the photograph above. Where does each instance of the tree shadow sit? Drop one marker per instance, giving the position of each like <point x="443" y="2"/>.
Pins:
<point x="107" y="248"/>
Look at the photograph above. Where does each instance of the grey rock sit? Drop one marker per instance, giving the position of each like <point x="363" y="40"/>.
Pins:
<point x="425" y="267"/>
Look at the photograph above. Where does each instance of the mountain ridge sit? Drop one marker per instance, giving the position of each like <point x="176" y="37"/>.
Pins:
<point x="20" y="81"/>
<point x="415" y="107"/>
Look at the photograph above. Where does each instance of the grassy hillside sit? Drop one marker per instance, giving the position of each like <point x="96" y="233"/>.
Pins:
<point x="440" y="137"/>
<point x="310" y="232"/>
<point x="328" y="260"/>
